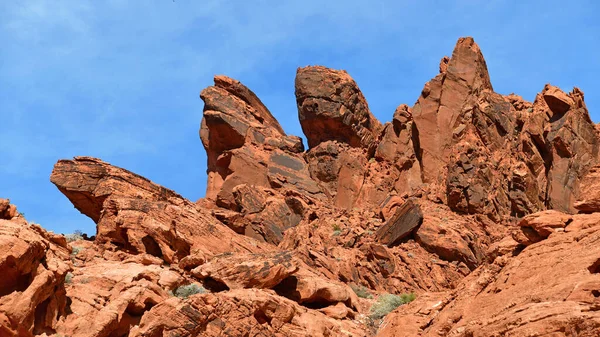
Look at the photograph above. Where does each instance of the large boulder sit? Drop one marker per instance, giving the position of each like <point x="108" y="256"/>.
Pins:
<point x="247" y="270"/>
<point x="332" y="107"/>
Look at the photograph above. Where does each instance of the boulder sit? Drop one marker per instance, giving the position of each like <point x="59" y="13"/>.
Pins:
<point x="7" y="210"/>
<point x="265" y="270"/>
<point x="404" y="222"/>
<point x="538" y="226"/>
<point x="332" y="107"/>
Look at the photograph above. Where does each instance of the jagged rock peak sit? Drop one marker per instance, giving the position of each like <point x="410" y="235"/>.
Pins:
<point x="468" y="64"/>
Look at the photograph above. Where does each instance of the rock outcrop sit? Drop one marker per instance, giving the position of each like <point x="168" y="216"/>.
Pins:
<point x="138" y="216"/>
<point x="33" y="268"/>
<point x="332" y="107"/>
<point x="550" y="288"/>
<point x="485" y="206"/>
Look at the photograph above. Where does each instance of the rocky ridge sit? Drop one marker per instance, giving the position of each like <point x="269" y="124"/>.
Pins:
<point x="483" y="205"/>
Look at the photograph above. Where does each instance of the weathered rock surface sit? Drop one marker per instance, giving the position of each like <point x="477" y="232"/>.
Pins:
<point x="342" y="246"/>
<point x="135" y="215"/>
<point x="589" y="197"/>
<point x="33" y="269"/>
<point x="550" y="288"/>
<point x="439" y="109"/>
<point x="88" y="182"/>
<point x="246" y="146"/>
<point x="248" y="270"/>
<point x="241" y="312"/>
<point x="332" y="107"/>
<point x="107" y="298"/>
<point x="467" y="199"/>
<point x="406" y="219"/>
<point x="7" y="210"/>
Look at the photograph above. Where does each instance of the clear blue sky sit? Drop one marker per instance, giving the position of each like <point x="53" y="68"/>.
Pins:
<point x="119" y="80"/>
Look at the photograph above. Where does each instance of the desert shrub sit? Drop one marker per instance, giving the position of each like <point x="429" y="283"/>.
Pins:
<point x="386" y="303"/>
<point x="76" y="250"/>
<point x="337" y="230"/>
<point x="188" y="290"/>
<point x="76" y="235"/>
<point x="69" y="278"/>
<point x="361" y="291"/>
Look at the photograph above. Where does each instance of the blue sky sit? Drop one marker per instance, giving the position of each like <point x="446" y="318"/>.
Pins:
<point x="119" y="80"/>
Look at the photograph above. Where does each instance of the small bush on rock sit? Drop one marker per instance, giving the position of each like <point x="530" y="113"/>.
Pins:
<point x="361" y="291"/>
<point x="77" y="235"/>
<point x="76" y="250"/>
<point x="386" y="303"/>
<point x="188" y="290"/>
<point x="69" y="278"/>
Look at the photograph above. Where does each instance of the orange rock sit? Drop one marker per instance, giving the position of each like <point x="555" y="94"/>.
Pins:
<point x="589" y="195"/>
<point x="238" y="312"/>
<point x="33" y="269"/>
<point x="332" y="107"/>
<point x="550" y="288"/>
<point x="466" y="199"/>
<point x="138" y="216"/>
<point x="247" y="270"/>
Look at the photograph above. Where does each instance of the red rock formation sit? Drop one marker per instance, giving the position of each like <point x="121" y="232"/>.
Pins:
<point x="331" y="107"/>
<point x="467" y="199"/>
<point x="33" y="269"/>
<point x="138" y="216"/>
<point x="550" y="288"/>
<point x="589" y="197"/>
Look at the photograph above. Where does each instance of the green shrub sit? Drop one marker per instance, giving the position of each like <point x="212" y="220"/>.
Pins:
<point x="69" y="278"/>
<point x="76" y="250"/>
<point x="386" y="303"/>
<point x="188" y="290"/>
<point x="361" y="291"/>
<point x="337" y="230"/>
<point x="76" y="235"/>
